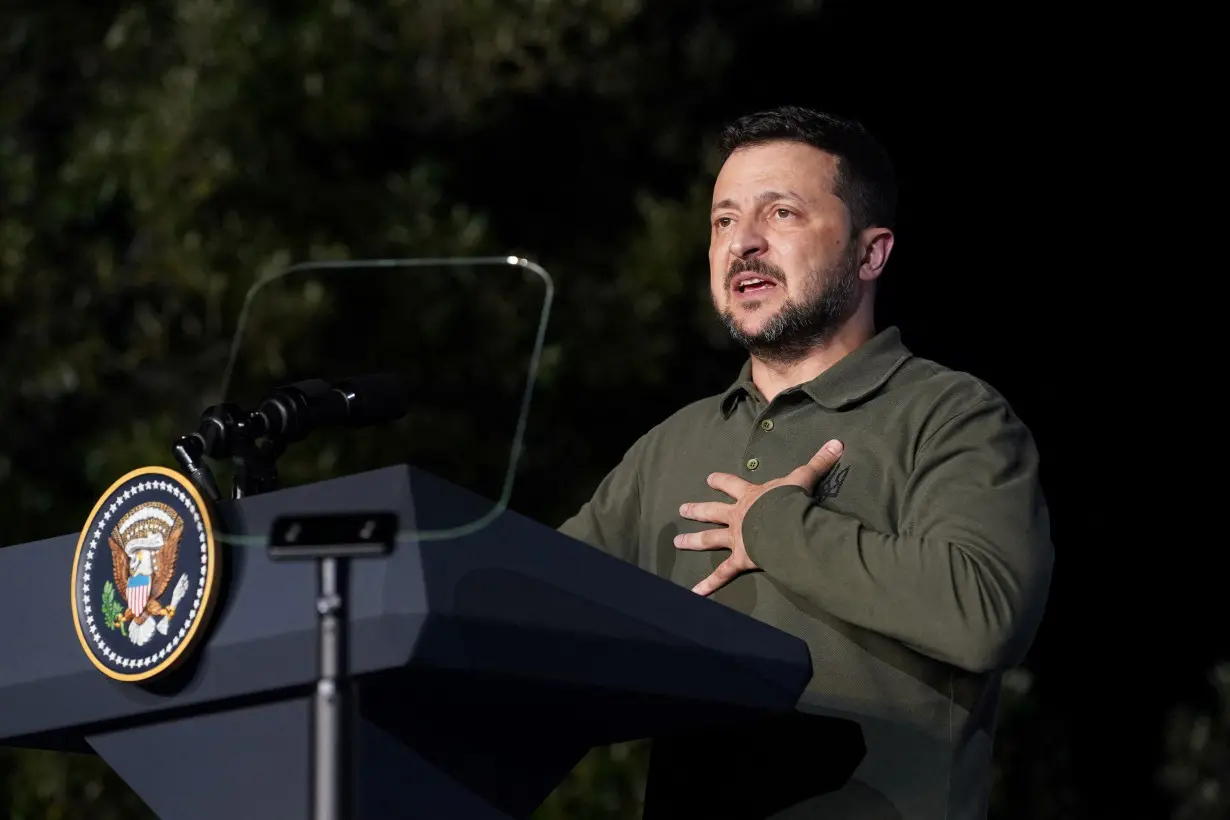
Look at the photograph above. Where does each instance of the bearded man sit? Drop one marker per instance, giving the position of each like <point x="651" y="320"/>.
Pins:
<point x="880" y="506"/>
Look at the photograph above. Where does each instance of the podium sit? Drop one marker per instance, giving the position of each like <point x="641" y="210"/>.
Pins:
<point x="484" y="667"/>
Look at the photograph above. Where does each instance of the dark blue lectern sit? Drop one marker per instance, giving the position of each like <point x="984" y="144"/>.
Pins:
<point x="485" y="666"/>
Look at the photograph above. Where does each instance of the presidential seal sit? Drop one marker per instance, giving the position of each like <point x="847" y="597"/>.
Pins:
<point x="144" y="575"/>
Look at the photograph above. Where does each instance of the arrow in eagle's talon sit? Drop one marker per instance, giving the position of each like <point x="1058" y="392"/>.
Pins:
<point x="181" y="589"/>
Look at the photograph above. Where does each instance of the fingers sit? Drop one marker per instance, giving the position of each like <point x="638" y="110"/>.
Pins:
<point x="726" y="572"/>
<point x="706" y="540"/>
<point x="808" y="475"/>
<point x="713" y="512"/>
<point x="732" y="485"/>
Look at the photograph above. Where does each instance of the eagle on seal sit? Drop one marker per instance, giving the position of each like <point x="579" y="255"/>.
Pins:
<point x="144" y="546"/>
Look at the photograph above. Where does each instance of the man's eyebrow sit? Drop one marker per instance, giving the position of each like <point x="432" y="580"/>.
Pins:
<point x="767" y="196"/>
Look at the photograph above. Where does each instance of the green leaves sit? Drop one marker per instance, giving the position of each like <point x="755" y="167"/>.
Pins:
<point x="609" y="784"/>
<point x="112" y="608"/>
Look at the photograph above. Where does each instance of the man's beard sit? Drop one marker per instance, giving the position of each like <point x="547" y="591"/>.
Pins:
<point x="798" y="327"/>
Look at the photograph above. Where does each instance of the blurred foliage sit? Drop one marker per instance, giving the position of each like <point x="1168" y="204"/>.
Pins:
<point x="1033" y="770"/>
<point x="158" y="159"/>
<point x="609" y="784"/>
<point x="50" y="786"/>
<point x="1197" y="772"/>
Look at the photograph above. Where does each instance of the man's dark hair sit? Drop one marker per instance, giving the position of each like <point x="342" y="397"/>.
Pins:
<point x="865" y="178"/>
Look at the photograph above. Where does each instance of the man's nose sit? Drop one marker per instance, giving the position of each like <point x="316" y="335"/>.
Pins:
<point x="749" y="241"/>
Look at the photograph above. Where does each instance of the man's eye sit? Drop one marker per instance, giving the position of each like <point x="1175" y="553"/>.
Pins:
<point x="722" y="221"/>
<point x="783" y="213"/>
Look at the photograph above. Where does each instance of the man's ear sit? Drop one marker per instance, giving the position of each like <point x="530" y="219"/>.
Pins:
<point x="876" y="244"/>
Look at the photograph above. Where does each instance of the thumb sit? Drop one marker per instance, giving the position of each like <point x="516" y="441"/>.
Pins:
<point x="810" y="473"/>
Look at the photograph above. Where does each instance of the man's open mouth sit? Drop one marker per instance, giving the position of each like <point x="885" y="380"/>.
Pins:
<point x="752" y="284"/>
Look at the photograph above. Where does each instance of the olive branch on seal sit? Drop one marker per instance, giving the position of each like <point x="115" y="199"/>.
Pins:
<point x="112" y="608"/>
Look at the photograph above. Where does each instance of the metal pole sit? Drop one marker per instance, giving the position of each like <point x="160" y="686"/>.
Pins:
<point x="331" y="742"/>
<point x="331" y="540"/>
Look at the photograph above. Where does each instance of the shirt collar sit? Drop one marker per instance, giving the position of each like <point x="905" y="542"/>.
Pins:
<point x="855" y="376"/>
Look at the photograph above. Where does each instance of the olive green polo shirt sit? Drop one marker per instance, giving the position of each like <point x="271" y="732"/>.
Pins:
<point x="916" y="574"/>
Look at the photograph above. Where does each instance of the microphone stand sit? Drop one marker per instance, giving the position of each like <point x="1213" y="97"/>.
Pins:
<point x="256" y="469"/>
<point x="254" y="440"/>
<point x="226" y="431"/>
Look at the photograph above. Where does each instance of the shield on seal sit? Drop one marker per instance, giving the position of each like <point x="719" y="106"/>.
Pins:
<point x="137" y="593"/>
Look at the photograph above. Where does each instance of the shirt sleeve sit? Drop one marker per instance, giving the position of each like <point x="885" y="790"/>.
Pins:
<point x="609" y="521"/>
<point x="966" y="579"/>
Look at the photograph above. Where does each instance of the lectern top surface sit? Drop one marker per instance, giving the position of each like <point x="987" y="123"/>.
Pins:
<point x="515" y="599"/>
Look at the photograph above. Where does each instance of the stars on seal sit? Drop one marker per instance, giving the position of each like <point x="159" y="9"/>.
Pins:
<point x="93" y="620"/>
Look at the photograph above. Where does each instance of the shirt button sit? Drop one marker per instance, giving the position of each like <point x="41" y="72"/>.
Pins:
<point x="766" y="425"/>
<point x="753" y="463"/>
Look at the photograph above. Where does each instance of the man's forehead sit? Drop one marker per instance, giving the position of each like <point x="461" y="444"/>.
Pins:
<point x="775" y="166"/>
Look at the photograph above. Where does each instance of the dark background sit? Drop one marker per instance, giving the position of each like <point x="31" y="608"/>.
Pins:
<point x="156" y="158"/>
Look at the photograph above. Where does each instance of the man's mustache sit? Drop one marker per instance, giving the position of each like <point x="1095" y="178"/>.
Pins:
<point x="754" y="266"/>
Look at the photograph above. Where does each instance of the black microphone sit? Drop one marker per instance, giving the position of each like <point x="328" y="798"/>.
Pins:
<point x="360" y="401"/>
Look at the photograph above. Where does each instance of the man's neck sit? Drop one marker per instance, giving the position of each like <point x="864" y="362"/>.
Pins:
<point x="771" y="378"/>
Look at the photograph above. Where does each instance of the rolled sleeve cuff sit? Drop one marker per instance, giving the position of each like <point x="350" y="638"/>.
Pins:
<point x="772" y="522"/>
